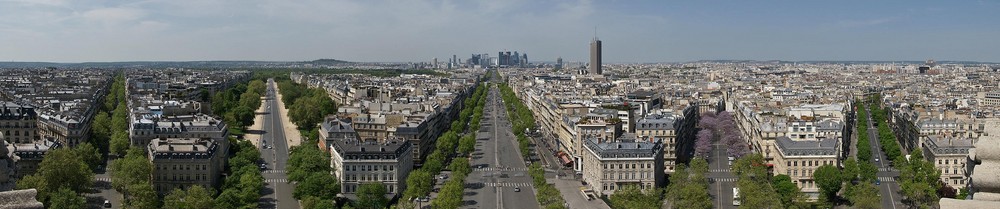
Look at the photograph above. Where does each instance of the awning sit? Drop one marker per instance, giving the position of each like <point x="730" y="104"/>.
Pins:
<point x="565" y="160"/>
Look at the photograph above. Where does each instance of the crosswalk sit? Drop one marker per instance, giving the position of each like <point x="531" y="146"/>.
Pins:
<point x="887" y="169"/>
<point x="724" y="179"/>
<point x="273" y="171"/>
<point x="507" y="184"/>
<point x="886" y="179"/>
<point x="104" y="179"/>
<point x="275" y="180"/>
<point x="500" y="169"/>
<point x="724" y="170"/>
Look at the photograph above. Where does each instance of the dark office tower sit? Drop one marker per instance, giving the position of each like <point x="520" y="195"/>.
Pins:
<point x="507" y="58"/>
<point x="559" y="63"/>
<point x="500" y="59"/>
<point x="515" y="59"/>
<point x="454" y="59"/>
<point x="524" y="59"/>
<point x="595" y="56"/>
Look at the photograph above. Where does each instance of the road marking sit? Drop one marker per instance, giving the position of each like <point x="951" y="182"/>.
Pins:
<point x="724" y="170"/>
<point x="724" y="179"/>
<point x="887" y="169"/>
<point x="886" y="179"/>
<point x="500" y="169"/>
<point x="104" y="179"/>
<point x="274" y="171"/>
<point x="275" y="180"/>
<point x="506" y="184"/>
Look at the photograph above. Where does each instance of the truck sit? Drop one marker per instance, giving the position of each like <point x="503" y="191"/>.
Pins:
<point x="736" y="196"/>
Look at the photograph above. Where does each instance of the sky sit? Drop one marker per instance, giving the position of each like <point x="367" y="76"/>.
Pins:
<point x="419" y="30"/>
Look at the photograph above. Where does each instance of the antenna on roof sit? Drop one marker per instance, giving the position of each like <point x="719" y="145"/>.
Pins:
<point x="595" y="32"/>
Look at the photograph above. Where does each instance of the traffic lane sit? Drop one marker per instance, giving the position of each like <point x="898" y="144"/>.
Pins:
<point x="523" y="199"/>
<point x="889" y="195"/>
<point x="723" y="192"/>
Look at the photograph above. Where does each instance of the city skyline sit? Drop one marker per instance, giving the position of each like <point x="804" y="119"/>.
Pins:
<point x="418" y="31"/>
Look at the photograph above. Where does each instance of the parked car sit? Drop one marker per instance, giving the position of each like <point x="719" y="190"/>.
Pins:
<point x="517" y="189"/>
<point x="107" y="204"/>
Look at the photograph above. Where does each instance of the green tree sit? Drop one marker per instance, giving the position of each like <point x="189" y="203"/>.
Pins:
<point x="756" y="190"/>
<point x="371" y="195"/>
<point x="851" y="170"/>
<point x="918" y="180"/>
<point x="100" y="131"/>
<point x="244" y="116"/>
<point x="119" y="143"/>
<point x="250" y="99"/>
<point x="68" y="199"/>
<point x="302" y="113"/>
<point x="312" y="202"/>
<point x="319" y="184"/>
<point x="175" y="199"/>
<point x="460" y="166"/>
<point x="133" y="169"/>
<point x="828" y="180"/>
<point x="229" y="199"/>
<point x="60" y="168"/>
<point x="864" y="195"/>
<point x="790" y="193"/>
<point x="89" y="154"/>
<point x="631" y="196"/>
<point x="142" y="196"/>
<point x="467" y="144"/>
<point x="418" y="183"/>
<point x="257" y="86"/>
<point x="194" y="197"/>
<point x="450" y="196"/>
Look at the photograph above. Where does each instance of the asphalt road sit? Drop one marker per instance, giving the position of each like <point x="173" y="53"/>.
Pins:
<point x="889" y="189"/>
<point x="497" y="164"/>
<point x="277" y="192"/>
<point x="103" y="191"/>
<point x="721" y="179"/>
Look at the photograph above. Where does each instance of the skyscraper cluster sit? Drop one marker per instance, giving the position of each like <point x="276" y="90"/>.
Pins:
<point x="506" y="59"/>
<point x="503" y="59"/>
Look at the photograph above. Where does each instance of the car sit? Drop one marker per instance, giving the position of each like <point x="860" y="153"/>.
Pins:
<point x="517" y="189"/>
<point x="876" y="160"/>
<point x="436" y="190"/>
<point x="878" y="182"/>
<point x="107" y="204"/>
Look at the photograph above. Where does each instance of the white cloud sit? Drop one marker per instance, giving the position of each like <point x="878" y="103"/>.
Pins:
<point x="113" y="15"/>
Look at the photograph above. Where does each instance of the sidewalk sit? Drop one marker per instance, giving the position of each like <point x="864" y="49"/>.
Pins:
<point x="291" y="132"/>
<point x="570" y="189"/>
<point x="255" y="131"/>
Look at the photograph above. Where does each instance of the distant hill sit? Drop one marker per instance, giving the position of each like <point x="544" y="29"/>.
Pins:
<point x="328" y="62"/>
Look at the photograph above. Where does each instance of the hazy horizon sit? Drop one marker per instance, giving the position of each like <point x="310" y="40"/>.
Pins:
<point x="65" y="31"/>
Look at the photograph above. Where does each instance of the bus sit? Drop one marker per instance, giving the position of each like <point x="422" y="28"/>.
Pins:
<point x="736" y="196"/>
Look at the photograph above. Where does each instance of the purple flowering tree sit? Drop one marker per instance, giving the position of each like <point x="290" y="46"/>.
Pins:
<point x="703" y="142"/>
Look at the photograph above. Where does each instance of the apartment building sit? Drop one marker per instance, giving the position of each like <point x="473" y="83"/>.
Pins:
<point x="949" y="154"/>
<point x="610" y="165"/>
<point x="18" y="123"/>
<point x="182" y="162"/>
<point x="657" y="126"/>
<point x="356" y="162"/>
<point x="799" y="159"/>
